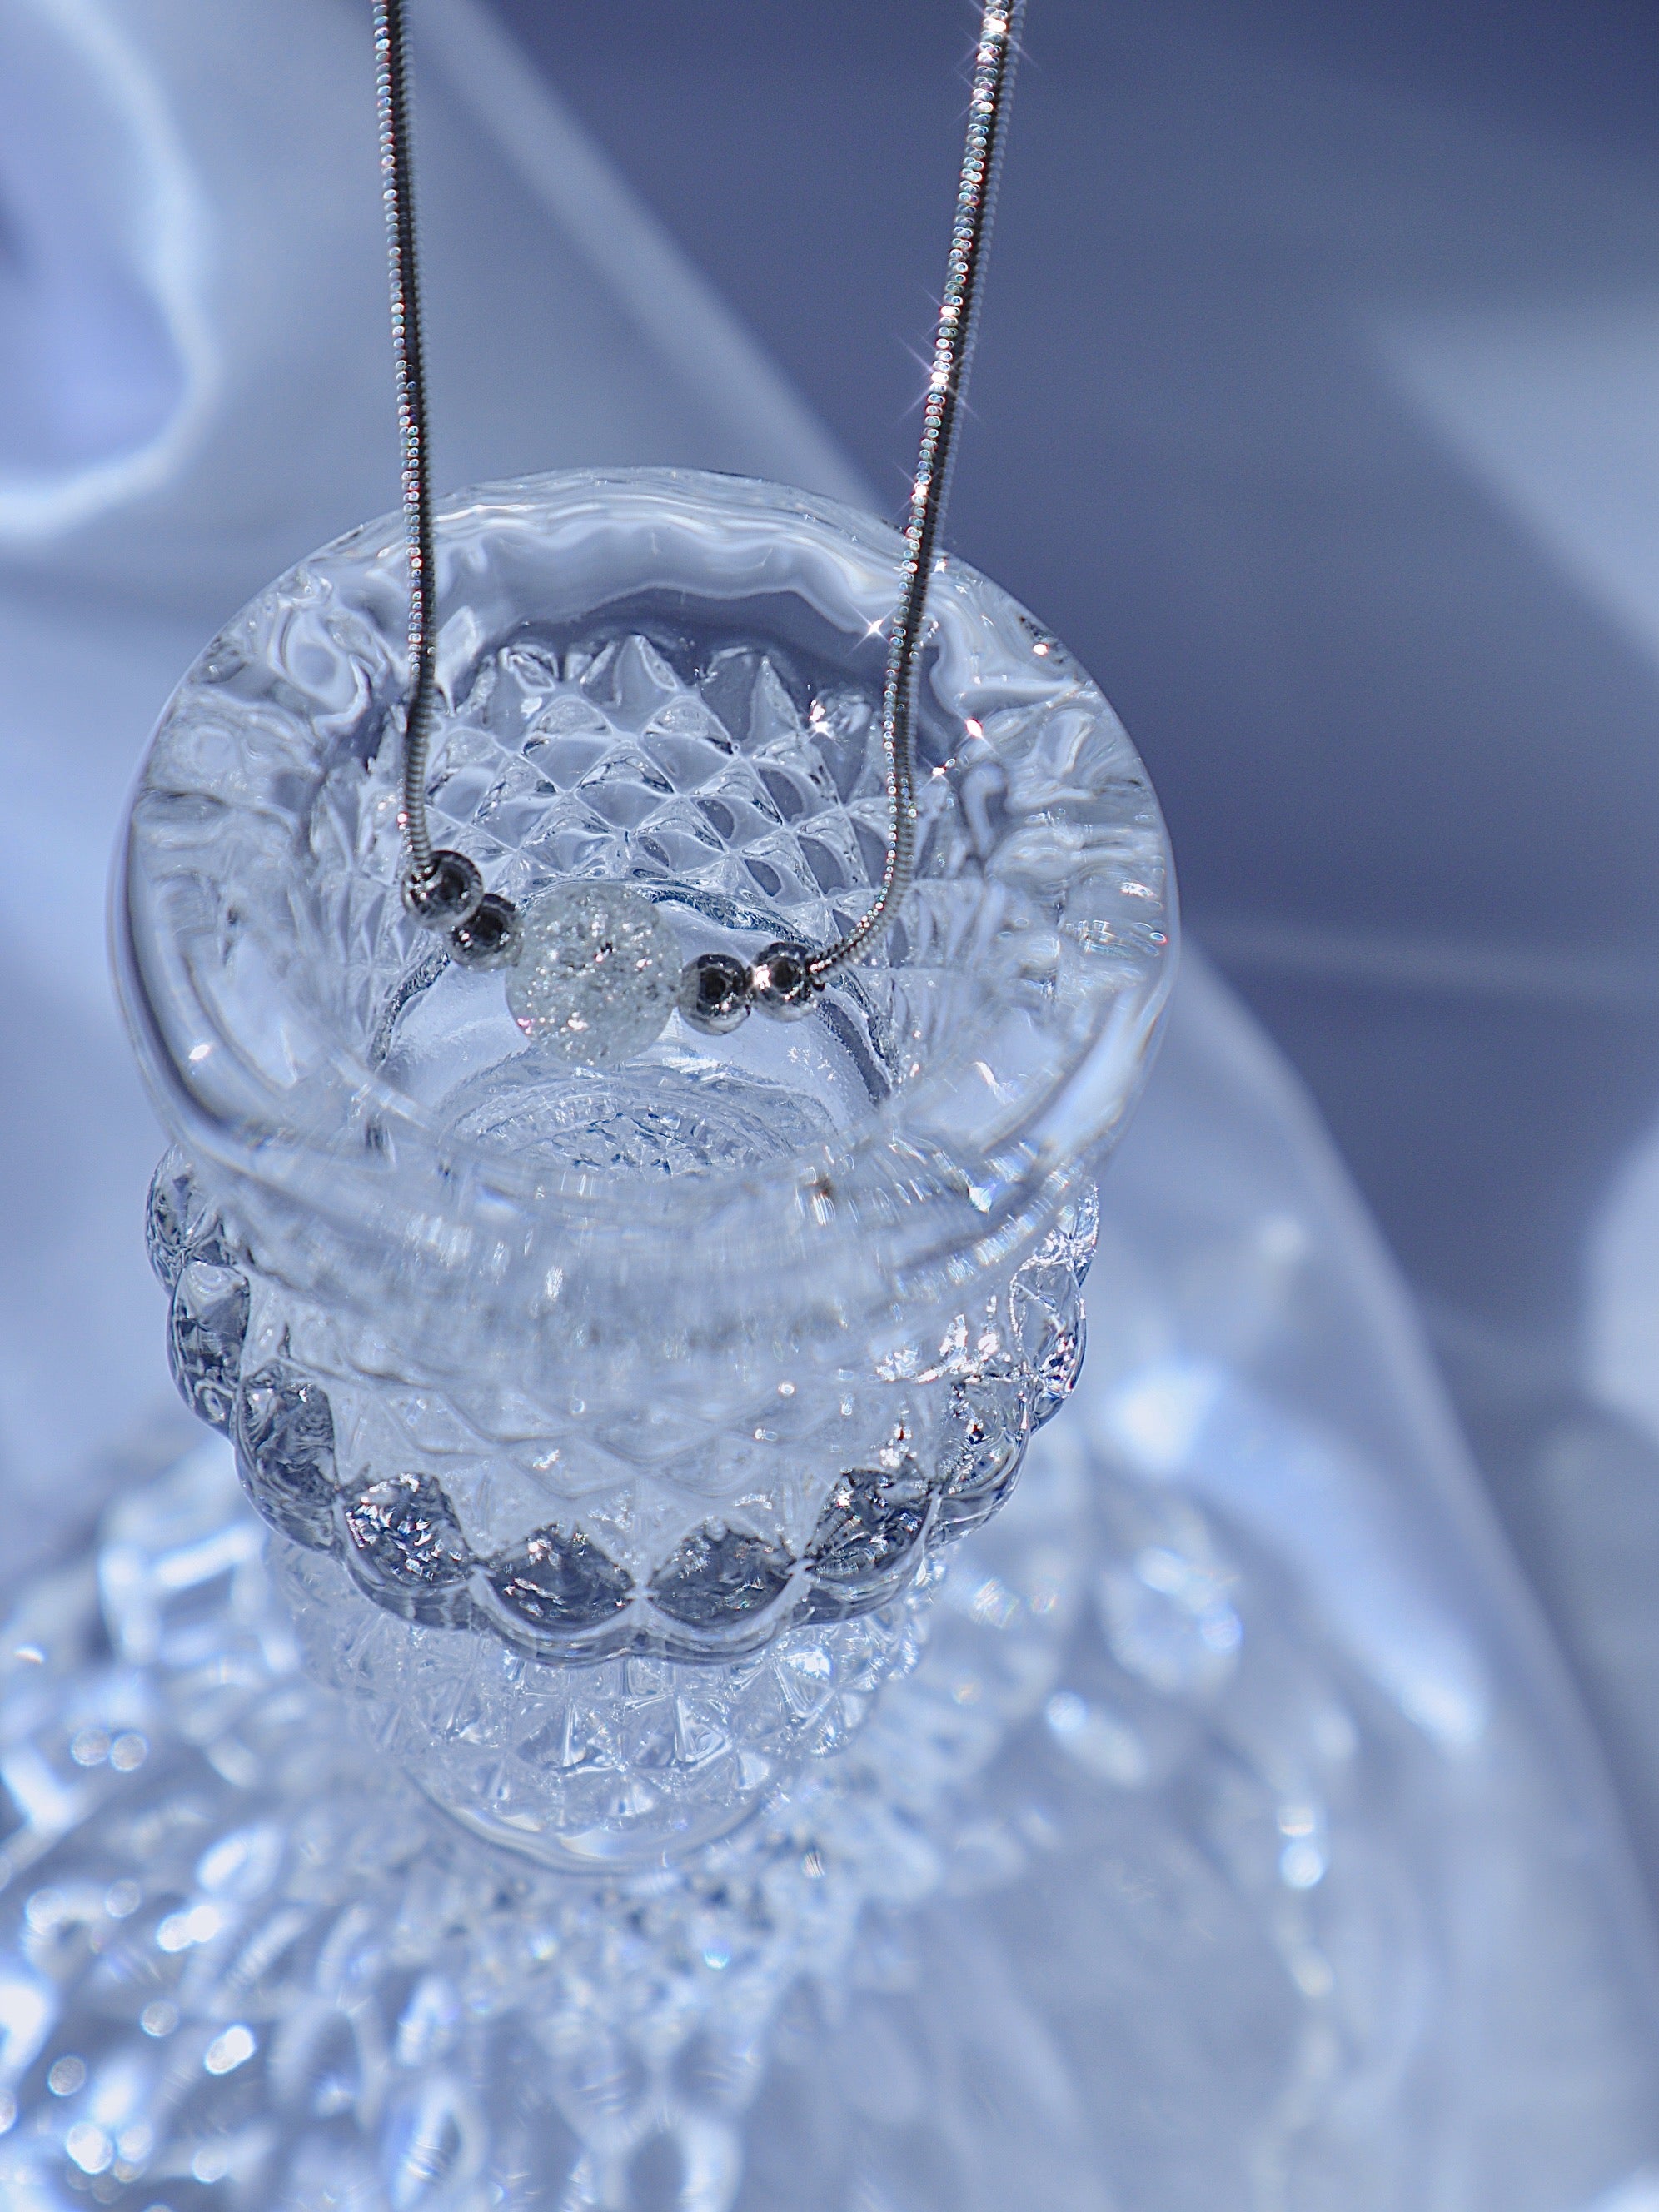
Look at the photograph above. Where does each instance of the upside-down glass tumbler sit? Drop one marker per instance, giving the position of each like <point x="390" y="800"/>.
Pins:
<point x="610" y="1423"/>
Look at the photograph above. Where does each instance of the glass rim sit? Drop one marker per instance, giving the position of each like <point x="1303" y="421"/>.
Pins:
<point x="949" y="1116"/>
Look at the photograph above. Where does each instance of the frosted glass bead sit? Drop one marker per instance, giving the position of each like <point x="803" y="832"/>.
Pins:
<point x="597" y="973"/>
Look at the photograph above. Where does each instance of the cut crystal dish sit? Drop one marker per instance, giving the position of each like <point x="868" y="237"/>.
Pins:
<point x="691" y="1362"/>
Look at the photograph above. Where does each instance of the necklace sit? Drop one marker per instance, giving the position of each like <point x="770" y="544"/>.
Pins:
<point x="592" y="966"/>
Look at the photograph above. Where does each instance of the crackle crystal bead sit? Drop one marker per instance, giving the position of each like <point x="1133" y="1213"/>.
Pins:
<point x="597" y="975"/>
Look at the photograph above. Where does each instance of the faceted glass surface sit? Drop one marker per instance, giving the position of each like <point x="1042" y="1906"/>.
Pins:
<point x="1135" y="1891"/>
<point x="670" y="1358"/>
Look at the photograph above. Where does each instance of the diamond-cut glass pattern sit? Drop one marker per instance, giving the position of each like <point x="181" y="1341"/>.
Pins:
<point x="635" y="1562"/>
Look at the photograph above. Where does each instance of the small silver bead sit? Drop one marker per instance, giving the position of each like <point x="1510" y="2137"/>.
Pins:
<point x="781" y="982"/>
<point x="445" y="895"/>
<point x="490" y="937"/>
<point x="714" y="992"/>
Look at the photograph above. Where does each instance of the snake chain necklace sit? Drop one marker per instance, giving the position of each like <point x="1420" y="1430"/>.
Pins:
<point x="566" y="934"/>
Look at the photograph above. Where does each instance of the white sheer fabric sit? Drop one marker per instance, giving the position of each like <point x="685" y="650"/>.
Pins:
<point x="1438" y="1987"/>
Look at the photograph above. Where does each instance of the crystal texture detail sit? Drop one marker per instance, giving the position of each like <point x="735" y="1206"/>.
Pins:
<point x="611" y="1762"/>
<point x="178" y="1224"/>
<point x="1112" y="1838"/>
<point x="867" y="1530"/>
<point x="205" y="1332"/>
<point x="283" y="1433"/>
<point x="556" y="1581"/>
<point x="719" y="1575"/>
<point x="597" y="975"/>
<point x="986" y="1431"/>
<point x="407" y="1549"/>
<point x="1046" y="1308"/>
<point x="654" y="1338"/>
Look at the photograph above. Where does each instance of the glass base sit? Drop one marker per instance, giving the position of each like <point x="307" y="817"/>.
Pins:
<point x="1135" y="1891"/>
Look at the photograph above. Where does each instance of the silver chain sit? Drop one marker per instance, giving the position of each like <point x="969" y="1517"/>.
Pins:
<point x="992" y="82"/>
<point x="397" y="195"/>
<point x="953" y="344"/>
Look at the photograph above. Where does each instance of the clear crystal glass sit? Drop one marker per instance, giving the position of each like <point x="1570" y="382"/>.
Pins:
<point x="609" y="1422"/>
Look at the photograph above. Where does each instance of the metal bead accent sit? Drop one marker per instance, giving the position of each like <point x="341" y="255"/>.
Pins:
<point x="782" y="981"/>
<point x="490" y="937"/>
<point x="283" y="1432"/>
<point x="714" y="992"/>
<point x="446" y="894"/>
<point x="719" y="1575"/>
